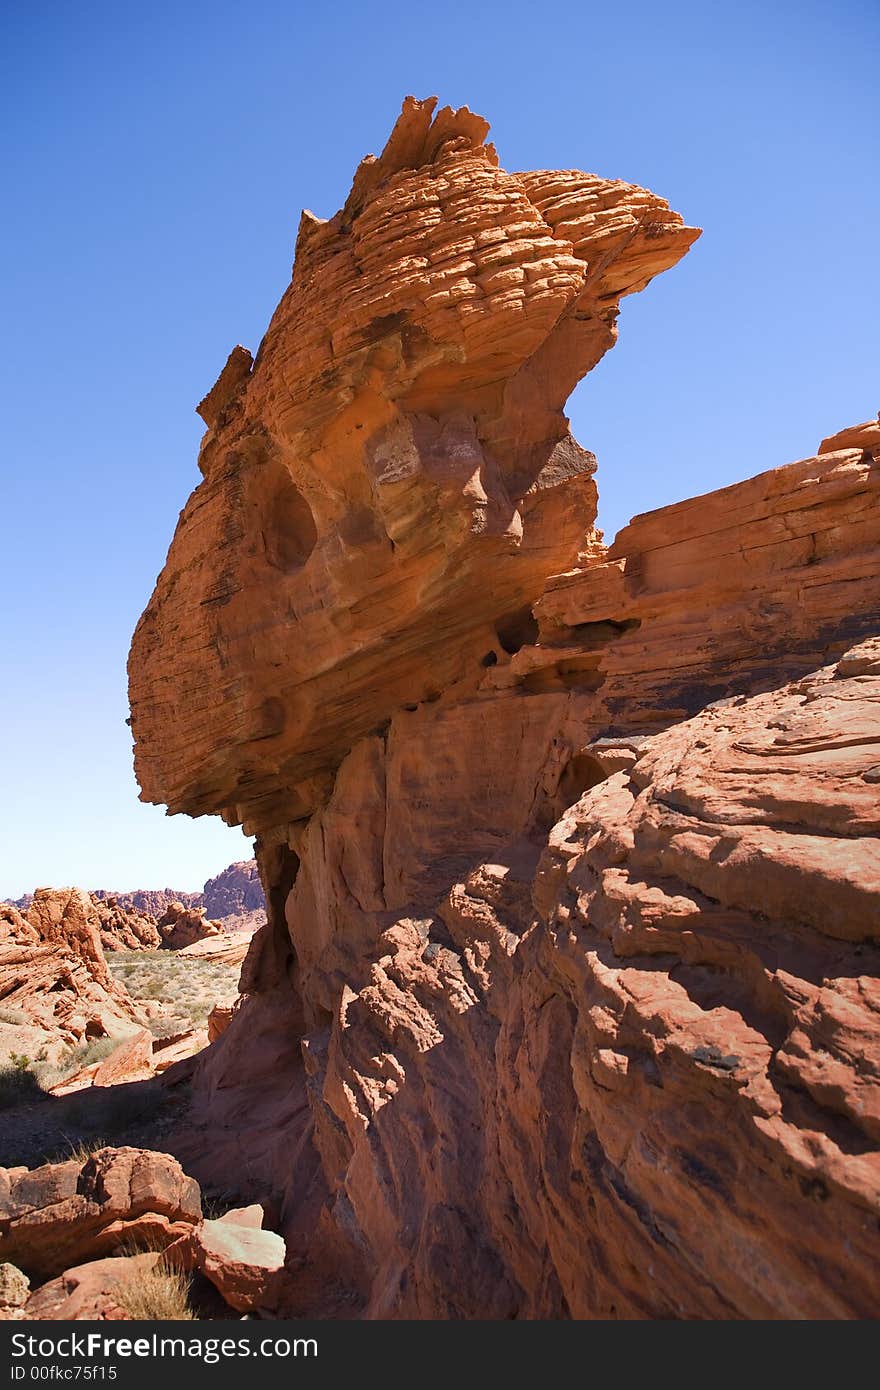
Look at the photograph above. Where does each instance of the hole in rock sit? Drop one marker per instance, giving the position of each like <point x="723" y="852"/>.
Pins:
<point x="599" y="634"/>
<point x="290" y="533"/>
<point x="515" y="630"/>
<point x="282" y="869"/>
<point x="319" y="1022"/>
<point x="490" y="659"/>
<point x="581" y="774"/>
<point x="564" y="675"/>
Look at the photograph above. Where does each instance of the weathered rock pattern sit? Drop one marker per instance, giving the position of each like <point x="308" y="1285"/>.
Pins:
<point x="241" y="1260"/>
<point x="229" y="948"/>
<point x="89" y="1292"/>
<point x="395" y="476"/>
<point x="181" y="926"/>
<point x="125" y="928"/>
<point x="235" y="897"/>
<point x="866" y="437"/>
<point x="132" y="1060"/>
<point x="62" y="1214"/>
<point x="718" y="594"/>
<point x="14" y="1290"/>
<point x="567" y="1002"/>
<point x="55" y="988"/>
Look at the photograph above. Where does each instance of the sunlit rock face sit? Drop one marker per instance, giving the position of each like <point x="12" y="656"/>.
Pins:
<point x="567" y="1001"/>
<point x="394" y="475"/>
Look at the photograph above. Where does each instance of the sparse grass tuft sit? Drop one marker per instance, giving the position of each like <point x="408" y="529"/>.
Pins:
<point x="157" y="1294"/>
<point x="95" y="1050"/>
<point x="81" y="1150"/>
<point x="14" y="1017"/>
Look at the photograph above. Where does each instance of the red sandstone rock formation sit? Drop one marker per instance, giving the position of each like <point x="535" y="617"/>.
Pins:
<point x="114" y="1201"/>
<point x="89" y="1292"/>
<point x="55" y="988"/>
<point x="125" y="928"/>
<point x="395" y="476"/>
<point x="63" y="1213"/>
<point x="235" y="897"/>
<point x="219" y="1020"/>
<point x="567" y="1000"/>
<point x="149" y="902"/>
<point x="241" y="1260"/>
<point x="181" y="926"/>
<point x="132" y="1060"/>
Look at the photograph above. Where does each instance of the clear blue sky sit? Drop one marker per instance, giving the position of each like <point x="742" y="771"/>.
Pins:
<point x="156" y="160"/>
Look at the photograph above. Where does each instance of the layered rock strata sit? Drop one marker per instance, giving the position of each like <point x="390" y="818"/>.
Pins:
<point x="394" y="477"/>
<point x="567" y="1001"/>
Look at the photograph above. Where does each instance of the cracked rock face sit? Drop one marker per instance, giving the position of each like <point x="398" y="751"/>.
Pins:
<point x="566" y="1004"/>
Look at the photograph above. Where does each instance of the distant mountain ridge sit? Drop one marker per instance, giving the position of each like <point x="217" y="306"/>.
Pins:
<point x="234" y="894"/>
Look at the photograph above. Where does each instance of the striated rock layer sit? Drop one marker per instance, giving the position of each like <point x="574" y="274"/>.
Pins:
<point x="568" y="1002"/>
<point x="394" y="478"/>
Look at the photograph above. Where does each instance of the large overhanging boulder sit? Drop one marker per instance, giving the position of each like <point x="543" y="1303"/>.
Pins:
<point x="392" y="480"/>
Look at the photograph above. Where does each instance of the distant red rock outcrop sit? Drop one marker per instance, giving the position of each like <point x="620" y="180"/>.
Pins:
<point x="181" y="926"/>
<point x="55" y="988"/>
<point x="234" y="897"/>
<point x="236" y="890"/>
<point x="151" y="902"/>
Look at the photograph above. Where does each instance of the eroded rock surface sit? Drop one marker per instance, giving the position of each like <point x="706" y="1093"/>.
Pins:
<point x="125" y="928"/>
<point x="566" y="1005"/>
<point x="395" y="477"/>
<point x="14" y="1290"/>
<point x="181" y="926"/>
<point x="92" y="1292"/>
<point x="55" y="988"/>
<point x="65" y="1213"/>
<point x="241" y="1260"/>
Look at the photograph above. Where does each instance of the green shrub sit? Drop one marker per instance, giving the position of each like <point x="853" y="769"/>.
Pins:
<point x="93" y="1050"/>
<point x="19" y="1084"/>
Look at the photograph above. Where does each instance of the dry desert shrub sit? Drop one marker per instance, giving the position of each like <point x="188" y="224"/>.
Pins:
<point x="156" y="1294"/>
<point x="81" y="1150"/>
<point x="88" y="1052"/>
